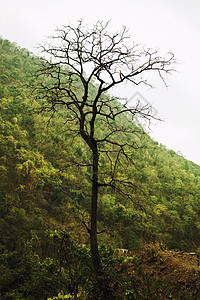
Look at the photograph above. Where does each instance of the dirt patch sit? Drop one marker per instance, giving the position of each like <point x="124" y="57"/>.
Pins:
<point x="179" y="271"/>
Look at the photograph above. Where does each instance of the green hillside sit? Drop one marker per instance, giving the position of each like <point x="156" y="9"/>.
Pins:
<point x="45" y="197"/>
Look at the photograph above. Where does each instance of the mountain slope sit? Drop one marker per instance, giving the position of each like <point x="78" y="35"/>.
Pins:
<point x="43" y="192"/>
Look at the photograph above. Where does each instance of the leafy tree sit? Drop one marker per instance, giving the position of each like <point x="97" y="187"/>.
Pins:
<point x="85" y="64"/>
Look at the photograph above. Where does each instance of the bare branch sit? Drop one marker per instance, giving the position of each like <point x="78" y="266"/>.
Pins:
<point x="82" y="66"/>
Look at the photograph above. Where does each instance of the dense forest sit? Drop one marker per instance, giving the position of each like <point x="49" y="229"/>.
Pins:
<point x="45" y="204"/>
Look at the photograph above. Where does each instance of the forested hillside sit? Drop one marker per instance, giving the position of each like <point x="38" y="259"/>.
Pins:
<point x="45" y="195"/>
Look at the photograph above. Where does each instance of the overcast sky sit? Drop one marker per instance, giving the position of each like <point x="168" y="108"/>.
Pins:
<point x="170" y="25"/>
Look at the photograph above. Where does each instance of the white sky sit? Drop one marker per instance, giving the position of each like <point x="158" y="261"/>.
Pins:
<point x="166" y="24"/>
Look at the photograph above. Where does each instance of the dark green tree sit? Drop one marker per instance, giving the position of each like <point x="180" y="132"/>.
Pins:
<point x="82" y="64"/>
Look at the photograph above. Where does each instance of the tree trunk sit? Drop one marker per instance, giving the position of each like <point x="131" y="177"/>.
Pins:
<point x="101" y="281"/>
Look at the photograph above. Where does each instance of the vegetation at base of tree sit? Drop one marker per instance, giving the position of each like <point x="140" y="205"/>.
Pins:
<point x="44" y="204"/>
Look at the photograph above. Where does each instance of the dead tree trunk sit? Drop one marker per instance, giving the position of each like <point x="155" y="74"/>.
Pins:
<point x="93" y="232"/>
<point x="101" y="280"/>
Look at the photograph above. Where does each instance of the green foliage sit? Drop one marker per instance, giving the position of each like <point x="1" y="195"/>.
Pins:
<point x="44" y="193"/>
<point x="35" y="276"/>
<point x="68" y="296"/>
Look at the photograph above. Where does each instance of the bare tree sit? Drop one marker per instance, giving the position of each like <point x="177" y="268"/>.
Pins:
<point x="82" y="64"/>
